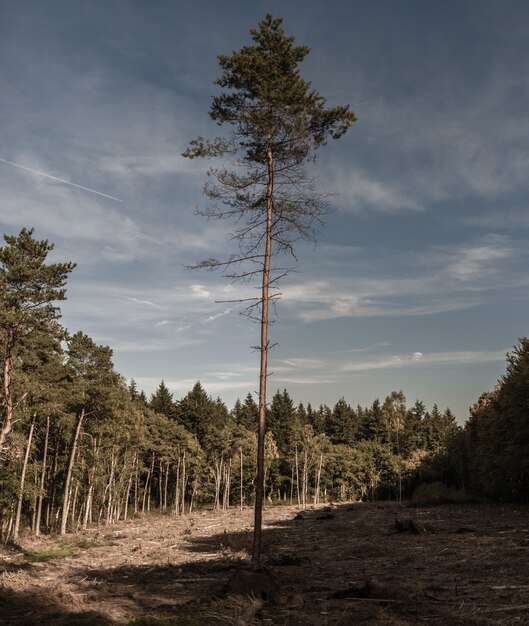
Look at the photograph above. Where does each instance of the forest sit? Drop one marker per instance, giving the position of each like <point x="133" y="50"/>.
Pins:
<point x="81" y="446"/>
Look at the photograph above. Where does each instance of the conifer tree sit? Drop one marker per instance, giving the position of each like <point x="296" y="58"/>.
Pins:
<point x="277" y="123"/>
<point x="162" y="401"/>
<point x="29" y="289"/>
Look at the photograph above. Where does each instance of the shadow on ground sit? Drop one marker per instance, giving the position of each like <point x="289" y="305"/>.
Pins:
<point x="349" y="564"/>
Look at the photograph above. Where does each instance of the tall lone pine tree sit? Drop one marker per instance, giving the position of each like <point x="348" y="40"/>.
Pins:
<point x="276" y="123"/>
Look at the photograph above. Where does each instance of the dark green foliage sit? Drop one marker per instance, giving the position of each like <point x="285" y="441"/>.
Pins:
<point x="29" y="287"/>
<point x="498" y="433"/>
<point x="342" y="424"/>
<point x="247" y="413"/>
<point x="162" y="401"/>
<point x="283" y="420"/>
<point x="428" y="494"/>
<point x="29" y="290"/>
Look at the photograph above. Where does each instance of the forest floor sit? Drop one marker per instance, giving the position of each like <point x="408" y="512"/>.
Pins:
<point x="347" y="564"/>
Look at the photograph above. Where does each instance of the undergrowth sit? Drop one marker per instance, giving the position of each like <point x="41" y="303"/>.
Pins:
<point x="64" y="549"/>
<point x="431" y="494"/>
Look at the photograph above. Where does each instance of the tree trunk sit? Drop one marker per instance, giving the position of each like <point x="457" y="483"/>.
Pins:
<point x="74" y="503"/>
<point x="318" y="479"/>
<point x="292" y="485"/>
<point x="297" y="478"/>
<point x="177" y="488"/>
<point x="160" y="485"/>
<point x="165" y="486"/>
<point x="263" y="368"/>
<point x="66" y="496"/>
<point x="51" y="500"/>
<point x="129" y="486"/>
<point x="227" y="481"/>
<point x="242" y="475"/>
<point x="111" y="488"/>
<point x="7" y="427"/>
<point x="184" y="479"/>
<point x="42" y="478"/>
<point x="18" y="514"/>
<point x="146" y="491"/>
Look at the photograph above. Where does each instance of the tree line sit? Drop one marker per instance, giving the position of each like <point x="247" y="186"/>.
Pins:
<point x="80" y="445"/>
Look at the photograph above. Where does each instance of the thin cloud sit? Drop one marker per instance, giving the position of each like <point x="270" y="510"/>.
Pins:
<point x="138" y="301"/>
<point x="212" y="318"/>
<point x="418" y="359"/>
<point x="61" y="180"/>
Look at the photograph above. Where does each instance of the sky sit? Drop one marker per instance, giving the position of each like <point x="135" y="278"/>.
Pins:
<point x="419" y="277"/>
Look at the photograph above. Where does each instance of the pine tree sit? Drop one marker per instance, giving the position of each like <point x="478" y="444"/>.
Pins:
<point x="29" y="288"/>
<point x="162" y="401"/>
<point x="277" y="123"/>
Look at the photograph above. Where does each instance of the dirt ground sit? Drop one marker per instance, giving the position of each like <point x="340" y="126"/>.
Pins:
<point x="348" y="564"/>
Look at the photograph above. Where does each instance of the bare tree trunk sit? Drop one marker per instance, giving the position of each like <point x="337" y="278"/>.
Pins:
<point x="66" y="496"/>
<point x="136" y="485"/>
<point x="227" y="481"/>
<point x="193" y="494"/>
<point x="18" y="514"/>
<point x="42" y="477"/>
<point x="218" y="481"/>
<point x="318" y="479"/>
<point x="74" y="503"/>
<point x="177" y="488"/>
<point x="304" y="484"/>
<point x="111" y="488"/>
<point x="160" y="485"/>
<point x="129" y="486"/>
<point x="146" y="491"/>
<point x="242" y="475"/>
<point x="165" y="486"/>
<point x="91" y="478"/>
<point x="297" y="478"/>
<point x="184" y="479"/>
<point x="8" y="398"/>
<point x="263" y="369"/>
<point x="51" y="500"/>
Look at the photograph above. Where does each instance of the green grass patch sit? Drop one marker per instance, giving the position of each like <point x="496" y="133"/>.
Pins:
<point x="41" y="556"/>
<point x="61" y="551"/>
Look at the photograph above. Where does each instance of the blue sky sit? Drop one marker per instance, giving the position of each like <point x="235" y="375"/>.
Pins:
<point x="419" y="279"/>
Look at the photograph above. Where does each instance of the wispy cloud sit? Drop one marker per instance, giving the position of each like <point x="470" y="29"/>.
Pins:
<point x="147" y="302"/>
<point x="60" y="180"/>
<point x="434" y="280"/>
<point x="357" y="191"/>
<point x="212" y="318"/>
<point x="418" y="359"/>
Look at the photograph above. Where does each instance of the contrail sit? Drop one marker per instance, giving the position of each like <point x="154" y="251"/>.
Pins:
<point x="61" y="180"/>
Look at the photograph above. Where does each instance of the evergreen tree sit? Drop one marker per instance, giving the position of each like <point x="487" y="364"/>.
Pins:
<point x="342" y="424"/>
<point x="277" y="123"/>
<point x="29" y="289"/>
<point x="372" y="424"/>
<point x="162" y="401"/>
<point x="248" y="416"/>
<point x="283" y="420"/>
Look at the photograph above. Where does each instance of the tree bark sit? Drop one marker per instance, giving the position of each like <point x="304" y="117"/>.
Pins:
<point x="242" y="475"/>
<point x="42" y="478"/>
<point x="66" y="496"/>
<point x="18" y="514"/>
<point x="263" y="368"/>
<point x="318" y="479"/>
<point x="7" y="427"/>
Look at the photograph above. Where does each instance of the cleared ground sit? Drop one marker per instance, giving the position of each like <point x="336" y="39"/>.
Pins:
<point x="347" y="564"/>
